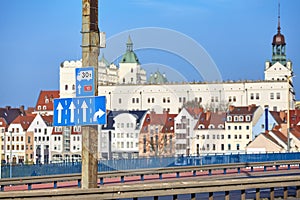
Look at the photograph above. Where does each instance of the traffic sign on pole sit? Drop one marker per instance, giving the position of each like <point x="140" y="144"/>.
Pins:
<point x="79" y="111"/>
<point x="85" y="85"/>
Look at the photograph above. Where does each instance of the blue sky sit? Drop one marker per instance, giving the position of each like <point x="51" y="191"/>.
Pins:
<point x="36" y="36"/>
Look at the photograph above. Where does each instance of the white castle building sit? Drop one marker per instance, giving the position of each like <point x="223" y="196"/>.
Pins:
<point x="126" y="88"/>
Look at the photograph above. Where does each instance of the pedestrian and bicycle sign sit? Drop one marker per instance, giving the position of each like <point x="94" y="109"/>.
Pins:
<point x="79" y="111"/>
<point x="85" y="85"/>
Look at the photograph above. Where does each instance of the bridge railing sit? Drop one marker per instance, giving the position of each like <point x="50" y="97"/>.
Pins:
<point x="143" y="163"/>
<point x="159" y="172"/>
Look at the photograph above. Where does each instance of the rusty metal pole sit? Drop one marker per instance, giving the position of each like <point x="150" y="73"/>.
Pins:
<point x="90" y="53"/>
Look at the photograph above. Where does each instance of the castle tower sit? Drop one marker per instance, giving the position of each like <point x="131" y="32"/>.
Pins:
<point x="279" y="68"/>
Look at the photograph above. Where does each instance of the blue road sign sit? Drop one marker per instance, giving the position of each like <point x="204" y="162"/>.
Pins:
<point x="85" y="85"/>
<point x="79" y="111"/>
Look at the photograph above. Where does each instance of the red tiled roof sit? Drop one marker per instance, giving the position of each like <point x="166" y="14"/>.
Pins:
<point x="276" y="116"/>
<point x="195" y="112"/>
<point x="243" y="110"/>
<point x="25" y="121"/>
<point x="166" y="120"/>
<point x="45" y="100"/>
<point x="211" y="118"/>
<point x="280" y="135"/>
<point x="269" y="137"/>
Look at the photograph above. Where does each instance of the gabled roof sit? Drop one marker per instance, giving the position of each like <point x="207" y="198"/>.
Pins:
<point x="45" y="100"/>
<point x="280" y="135"/>
<point x="165" y="120"/>
<point x="195" y="112"/>
<point x="9" y="114"/>
<point x="242" y="110"/>
<point x="48" y="119"/>
<point x="25" y="121"/>
<point x="276" y="116"/>
<point x="139" y="114"/>
<point x="269" y="137"/>
<point x="211" y="118"/>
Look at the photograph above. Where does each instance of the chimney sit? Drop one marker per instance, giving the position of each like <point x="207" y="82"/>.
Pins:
<point x="266" y="117"/>
<point x="7" y="107"/>
<point x="208" y="114"/>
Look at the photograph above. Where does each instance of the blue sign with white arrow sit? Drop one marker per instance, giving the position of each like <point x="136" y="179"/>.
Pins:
<point x="85" y="85"/>
<point x="79" y="111"/>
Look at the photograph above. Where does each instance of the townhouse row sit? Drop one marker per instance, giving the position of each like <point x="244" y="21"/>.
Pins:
<point x="31" y="138"/>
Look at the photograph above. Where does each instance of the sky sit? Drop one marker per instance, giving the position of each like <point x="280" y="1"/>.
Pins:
<point x="37" y="36"/>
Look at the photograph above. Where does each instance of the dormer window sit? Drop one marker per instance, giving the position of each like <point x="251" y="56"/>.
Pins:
<point x="211" y="126"/>
<point x="229" y="118"/>
<point x="241" y="118"/>
<point x="39" y="107"/>
<point x="201" y="126"/>
<point x="44" y="107"/>
<point x="235" y="118"/>
<point x="248" y="118"/>
<point x="220" y="126"/>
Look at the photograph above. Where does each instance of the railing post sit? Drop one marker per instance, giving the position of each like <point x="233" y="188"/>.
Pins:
<point x="160" y="176"/>
<point x="277" y="167"/>
<point x="29" y="186"/>
<point x="122" y="179"/>
<point x="209" y="172"/>
<point x="175" y="197"/>
<point x="2" y="188"/>
<point x="210" y="195"/>
<point x="239" y="170"/>
<point x="265" y="168"/>
<point x="142" y="177"/>
<point x="177" y="174"/>
<point x="289" y="166"/>
<point x="243" y="195"/>
<point x="55" y="184"/>
<point x="298" y="191"/>
<point x="227" y="196"/>
<point x="193" y="196"/>
<point x="194" y="173"/>
<point x="285" y="193"/>
<point x="224" y="171"/>
<point x="79" y="183"/>
<point x="272" y="193"/>
<point x="101" y="181"/>
<point x="257" y="193"/>
<point x="252" y="169"/>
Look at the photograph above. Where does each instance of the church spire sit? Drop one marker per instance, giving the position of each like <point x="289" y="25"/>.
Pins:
<point x="278" y="44"/>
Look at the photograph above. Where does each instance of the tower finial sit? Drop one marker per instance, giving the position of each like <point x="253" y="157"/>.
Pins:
<point x="278" y="28"/>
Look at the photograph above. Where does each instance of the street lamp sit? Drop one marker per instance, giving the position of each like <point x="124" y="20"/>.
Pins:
<point x="288" y="113"/>
<point x="10" y="156"/>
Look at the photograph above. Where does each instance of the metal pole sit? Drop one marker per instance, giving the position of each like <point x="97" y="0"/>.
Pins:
<point x="288" y="113"/>
<point x="10" y="156"/>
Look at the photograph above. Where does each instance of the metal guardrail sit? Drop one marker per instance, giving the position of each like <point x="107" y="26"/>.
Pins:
<point x="29" y="181"/>
<point x="170" y="188"/>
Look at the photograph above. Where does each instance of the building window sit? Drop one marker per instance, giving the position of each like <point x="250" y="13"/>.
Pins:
<point x="251" y="96"/>
<point x="229" y="147"/>
<point x="120" y="100"/>
<point x="271" y="95"/>
<point x="222" y="147"/>
<point x="229" y="118"/>
<point x="247" y="127"/>
<point x="236" y="118"/>
<point x="277" y="95"/>
<point x="234" y="98"/>
<point x="248" y="118"/>
<point x="237" y="146"/>
<point x="66" y="87"/>
<point x="133" y="100"/>
<point x="257" y="96"/>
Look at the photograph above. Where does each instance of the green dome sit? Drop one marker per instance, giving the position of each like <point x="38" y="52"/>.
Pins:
<point x="129" y="56"/>
<point x="157" y="78"/>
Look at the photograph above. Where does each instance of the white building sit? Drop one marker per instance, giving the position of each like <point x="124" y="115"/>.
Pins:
<point x="41" y="127"/>
<point x="119" y="138"/>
